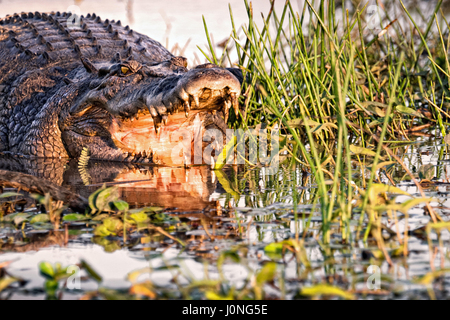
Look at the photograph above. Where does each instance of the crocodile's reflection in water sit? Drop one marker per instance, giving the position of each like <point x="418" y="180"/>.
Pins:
<point x="183" y="188"/>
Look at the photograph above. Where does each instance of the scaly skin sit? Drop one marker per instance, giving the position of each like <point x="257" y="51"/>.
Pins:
<point x="64" y="89"/>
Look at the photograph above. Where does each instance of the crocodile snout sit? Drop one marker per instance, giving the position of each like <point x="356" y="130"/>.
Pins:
<point x="210" y="88"/>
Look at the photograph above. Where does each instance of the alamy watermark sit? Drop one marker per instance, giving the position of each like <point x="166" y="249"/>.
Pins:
<point x="74" y="280"/>
<point x="211" y="146"/>
<point x="374" y="281"/>
<point x="74" y="19"/>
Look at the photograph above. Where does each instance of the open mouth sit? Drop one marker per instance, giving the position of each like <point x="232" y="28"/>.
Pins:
<point x="144" y="139"/>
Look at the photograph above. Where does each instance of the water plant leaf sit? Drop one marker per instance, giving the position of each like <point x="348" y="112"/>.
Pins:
<point x="46" y="270"/>
<point x="121" y="205"/>
<point x="223" y="180"/>
<point x="6" y="282"/>
<point x="316" y="126"/>
<point x="100" y="217"/>
<point x="408" y="111"/>
<point x="21" y="217"/>
<point x="225" y="154"/>
<point x="426" y="172"/>
<point x="101" y="198"/>
<point x="378" y="188"/>
<point x="113" y="224"/>
<point x="143" y="289"/>
<point x="438" y="226"/>
<point x="90" y="271"/>
<point x="382" y="164"/>
<point x="274" y="247"/>
<point x="361" y="151"/>
<point x="326" y="290"/>
<point x="102" y="231"/>
<point x="431" y="276"/>
<point x="134" y="275"/>
<point x="74" y="217"/>
<point x="110" y="226"/>
<point x="267" y="273"/>
<point x="92" y="199"/>
<point x="105" y="197"/>
<point x="10" y="194"/>
<point x="43" y="217"/>
<point x="375" y="107"/>
<point x="139" y="217"/>
<point x="211" y="295"/>
<point x="233" y="255"/>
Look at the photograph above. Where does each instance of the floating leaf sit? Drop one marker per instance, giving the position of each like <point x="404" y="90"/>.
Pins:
<point x="274" y="247"/>
<point x="74" y="217"/>
<point x="40" y="218"/>
<point x="102" y="231"/>
<point x="139" y="217"/>
<point x="327" y="290"/>
<point x="21" y="217"/>
<point x="267" y="273"/>
<point x="110" y="226"/>
<point x="121" y="205"/>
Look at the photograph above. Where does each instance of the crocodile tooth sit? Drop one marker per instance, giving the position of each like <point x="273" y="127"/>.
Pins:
<point x="164" y="120"/>
<point x="187" y="107"/>
<point x="196" y="101"/>
<point x="227" y="110"/>
<point x="131" y="119"/>
<point x="235" y="102"/>
<point x="136" y="117"/>
<point x="144" y="154"/>
<point x="157" y="129"/>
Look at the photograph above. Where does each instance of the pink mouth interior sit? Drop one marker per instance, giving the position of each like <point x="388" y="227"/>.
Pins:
<point x="140" y="135"/>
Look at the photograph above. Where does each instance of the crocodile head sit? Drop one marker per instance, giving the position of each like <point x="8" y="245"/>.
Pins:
<point x="128" y="111"/>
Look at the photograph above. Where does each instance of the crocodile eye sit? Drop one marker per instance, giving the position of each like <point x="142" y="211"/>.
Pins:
<point x="124" y="70"/>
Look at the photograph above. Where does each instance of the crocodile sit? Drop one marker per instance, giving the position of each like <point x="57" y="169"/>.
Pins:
<point x="102" y="86"/>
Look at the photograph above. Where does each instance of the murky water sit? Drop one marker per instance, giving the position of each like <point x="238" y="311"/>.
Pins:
<point x="219" y="211"/>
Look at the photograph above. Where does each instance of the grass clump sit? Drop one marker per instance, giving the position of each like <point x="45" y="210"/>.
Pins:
<point x="343" y="96"/>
